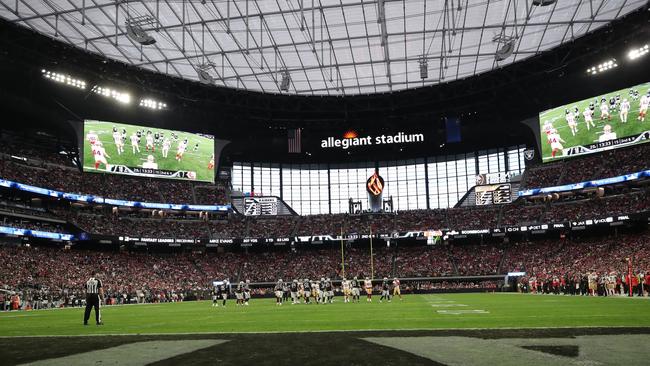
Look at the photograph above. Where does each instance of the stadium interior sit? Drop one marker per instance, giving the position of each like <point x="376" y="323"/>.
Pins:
<point x="469" y="168"/>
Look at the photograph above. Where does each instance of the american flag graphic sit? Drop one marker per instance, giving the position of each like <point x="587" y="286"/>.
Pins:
<point x="294" y="140"/>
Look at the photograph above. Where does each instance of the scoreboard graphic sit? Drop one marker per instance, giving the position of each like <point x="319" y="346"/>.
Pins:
<point x="260" y="206"/>
<point x="493" y="194"/>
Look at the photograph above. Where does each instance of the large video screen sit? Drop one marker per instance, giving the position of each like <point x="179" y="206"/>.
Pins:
<point x="110" y="147"/>
<point x="603" y="122"/>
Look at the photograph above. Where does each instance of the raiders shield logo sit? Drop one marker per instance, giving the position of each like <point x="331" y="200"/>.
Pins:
<point x="529" y="154"/>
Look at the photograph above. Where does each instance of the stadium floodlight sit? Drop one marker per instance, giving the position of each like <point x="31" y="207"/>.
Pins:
<point x="424" y="68"/>
<point x="64" y="79"/>
<point x="543" y="2"/>
<point x="152" y="104"/>
<point x="285" y="81"/>
<point x="506" y="46"/>
<point x="602" y="67"/>
<point x="121" y="97"/>
<point x="203" y="74"/>
<point x="135" y="31"/>
<point x="636" y="53"/>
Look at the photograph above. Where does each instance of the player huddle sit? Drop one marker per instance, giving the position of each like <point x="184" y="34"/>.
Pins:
<point x="153" y="140"/>
<point x="308" y="291"/>
<point x="606" y="108"/>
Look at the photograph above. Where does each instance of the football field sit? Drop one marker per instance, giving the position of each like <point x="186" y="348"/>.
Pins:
<point x="542" y="329"/>
<point x="584" y="136"/>
<point x="196" y="161"/>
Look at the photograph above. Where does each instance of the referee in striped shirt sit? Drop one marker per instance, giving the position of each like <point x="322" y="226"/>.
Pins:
<point x="94" y="295"/>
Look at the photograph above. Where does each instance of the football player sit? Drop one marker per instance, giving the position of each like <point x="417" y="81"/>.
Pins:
<point x="181" y="150"/>
<point x="385" y="290"/>
<point x="356" y="289"/>
<point x="396" y="288"/>
<point x="306" y="289"/>
<point x="589" y="121"/>
<point x="117" y="138"/>
<point x="135" y="142"/>
<point x="367" y="284"/>
<point x="100" y="154"/>
<point x="211" y="163"/>
<point x="294" y="292"/>
<point x="329" y="291"/>
<point x="345" y="286"/>
<point x="607" y="134"/>
<point x="554" y="139"/>
<point x="92" y="137"/>
<point x="247" y="292"/>
<point x="224" y="290"/>
<point x="315" y="290"/>
<point x="215" y="296"/>
<point x="278" y="292"/>
<point x="624" y="110"/>
<point x="149" y="139"/>
<point x="165" y="147"/>
<point x="196" y="147"/>
<point x="604" y="110"/>
<point x="643" y="106"/>
<point x="571" y="121"/>
<point x="239" y="293"/>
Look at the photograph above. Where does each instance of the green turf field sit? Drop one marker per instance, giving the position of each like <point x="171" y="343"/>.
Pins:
<point x="439" y="311"/>
<point x="196" y="161"/>
<point x="584" y="137"/>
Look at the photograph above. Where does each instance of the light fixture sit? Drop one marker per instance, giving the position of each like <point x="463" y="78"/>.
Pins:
<point x="64" y="79"/>
<point x="135" y="31"/>
<point x="121" y="97"/>
<point x="152" y="104"/>
<point x="424" y="68"/>
<point x="285" y="81"/>
<point x="602" y="67"/>
<point x="636" y="53"/>
<point x="203" y="74"/>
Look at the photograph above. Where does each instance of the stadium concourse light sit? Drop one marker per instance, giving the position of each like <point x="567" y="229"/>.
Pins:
<point x="64" y="79"/>
<point x="636" y="53"/>
<point x="153" y="104"/>
<point x="602" y="67"/>
<point x="110" y="93"/>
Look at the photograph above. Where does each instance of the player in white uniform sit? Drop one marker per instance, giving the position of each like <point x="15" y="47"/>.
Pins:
<point x="92" y="137"/>
<point x="547" y="126"/>
<point x="182" y="146"/>
<point x="604" y="111"/>
<point x="150" y="144"/>
<point x="643" y="107"/>
<point x="165" y="147"/>
<point x="589" y="121"/>
<point x="367" y="284"/>
<point x="135" y="146"/>
<point x="571" y="121"/>
<point x="119" y="143"/>
<point x="99" y="153"/>
<point x="345" y="286"/>
<point x="624" y="110"/>
<point x="554" y="139"/>
<point x="607" y="134"/>
<point x="150" y="163"/>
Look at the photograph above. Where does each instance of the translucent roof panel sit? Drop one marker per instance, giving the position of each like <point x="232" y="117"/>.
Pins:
<point x="326" y="47"/>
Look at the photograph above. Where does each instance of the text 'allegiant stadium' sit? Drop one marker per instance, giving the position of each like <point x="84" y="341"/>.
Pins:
<point x="400" y="138"/>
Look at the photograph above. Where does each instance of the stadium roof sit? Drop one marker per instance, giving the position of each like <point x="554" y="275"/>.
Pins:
<point x="327" y="47"/>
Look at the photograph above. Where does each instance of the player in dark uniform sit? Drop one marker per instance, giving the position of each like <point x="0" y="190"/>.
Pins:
<point x="285" y="292"/>
<point x="139" y="134"/>
<point x="329" y="291"/>
<point x="612" y="104"/>
<point x="94" y="296"/>
<point x="215" y="296"/>
<point x="223" y="291"/>
<point x="247" y="291"/>
<point x="356" y="288"/>
<point x="306" y="286"/>
<point x="385" y="290"/>
<point x="293" y="288"/>
<point x="592" y="107"/>
<point x="196" y="147"/>
<point x="278" y="292"/>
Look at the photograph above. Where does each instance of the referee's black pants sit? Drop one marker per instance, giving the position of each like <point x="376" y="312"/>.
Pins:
<point x="92" y="301"/>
